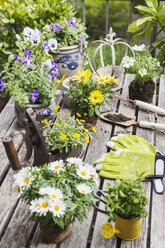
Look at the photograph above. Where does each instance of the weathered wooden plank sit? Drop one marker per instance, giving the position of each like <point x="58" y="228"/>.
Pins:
<point x="157" y="238"/>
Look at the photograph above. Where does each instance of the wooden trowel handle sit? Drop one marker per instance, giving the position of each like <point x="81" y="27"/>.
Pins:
<point x="11" y="153"/>
<point x="151" y="125"/>
<point x="150" y="107"/>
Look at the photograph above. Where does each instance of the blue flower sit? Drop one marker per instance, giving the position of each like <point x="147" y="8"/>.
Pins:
<point x="28" y="60"/>
<point x="72" y="22"/>
<point x="18" y="58"/>
<point x="34" y="95"/>
<point x="81" y="39"/>
<point x="55" y="26"/>
<point x="2" y="85"/>
<point x="53" y="75"/>
<point x="27" y="51"/>
<point x="45" y="46"/>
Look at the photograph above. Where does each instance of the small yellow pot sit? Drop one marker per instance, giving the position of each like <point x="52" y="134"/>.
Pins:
<point x="128" y="229"/>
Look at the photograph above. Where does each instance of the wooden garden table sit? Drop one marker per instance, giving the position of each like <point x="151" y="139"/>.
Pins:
<point x="18" y="231"/>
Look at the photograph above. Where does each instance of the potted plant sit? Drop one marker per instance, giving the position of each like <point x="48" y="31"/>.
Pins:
<point x="125" y="202"/>
<point x="66" y="136"/>
<point x="87" y="93"/>
<point x="145" y="68"/>
<point x="57" y="194"/>
<point x="30" y="76"/>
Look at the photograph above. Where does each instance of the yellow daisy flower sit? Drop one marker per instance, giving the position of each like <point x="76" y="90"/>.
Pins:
<point x="110" y="79"/>
<point x="96" y="97"/>
<point x="63" y="136"/>
<point x="82" y="76"/>
<point x="87" y="139"/>
<point x="101" y="79"/>
<point x="57" y="124"/>
<point x="94" y="129"/>
<point x="44" y="121"/>
<point x="57" y="107"/>
<point x="117" y="81"/>
<point x="76" y="135"/>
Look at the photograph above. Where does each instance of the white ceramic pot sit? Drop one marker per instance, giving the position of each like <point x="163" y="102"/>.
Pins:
<point x="69" y="60"/>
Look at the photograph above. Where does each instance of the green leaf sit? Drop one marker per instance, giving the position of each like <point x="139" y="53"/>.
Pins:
<point x="138" y="24"/>
<point x="5" y="32"/>
<point x="143" y="9"/>
<point x="150" y="4"/>
<point x="5" y="20"/>
<point x="162" y="6"/>
<point x="12" y="20"/>
<point x="137" y="36"/>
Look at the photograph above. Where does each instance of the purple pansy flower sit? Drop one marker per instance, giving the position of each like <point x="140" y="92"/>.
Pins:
<point x="34" y="95"/>
<point x="72" y="22"/>
<point x="54" y="67"/>
<point x="27" y="51"/>
<point x="28" y="60"/>
<point x="55" y="26"/>
<point x="45" y="47"/>
<point x="53" y="75"/>
<point x="2" y="85"/>
<point x="18" y="58"/>
<point x="81" y="39"/>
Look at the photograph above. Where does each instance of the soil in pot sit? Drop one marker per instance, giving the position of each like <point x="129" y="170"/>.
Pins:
<point x="89" y="121"/>
<point x="141" y="92"/>
<point x="57" y="235"/>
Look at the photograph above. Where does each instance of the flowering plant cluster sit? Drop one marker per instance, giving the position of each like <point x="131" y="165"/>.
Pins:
<point x="66" y="133"/>
<point x="58" y="193"/>
<point x="30" y="75"/>
<point x="87" y="94"/>
<point x="144" y="66"/>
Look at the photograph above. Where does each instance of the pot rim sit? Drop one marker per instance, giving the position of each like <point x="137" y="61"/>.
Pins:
<point x="70" y="47"/>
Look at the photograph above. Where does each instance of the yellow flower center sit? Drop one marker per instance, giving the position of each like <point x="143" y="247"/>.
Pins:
<point x="57" y="167"/>
<point x="127" y="62"/>
<point x="18" y="189"/>
<point x="54" y="196"/>
<point x="44" y="204"/>
<point x="82" y="77"/>
<point x="83" y="173"/>
<point x="83" y="191"/>
<point x="26" y="180"/>
<point x="56" y="208"/>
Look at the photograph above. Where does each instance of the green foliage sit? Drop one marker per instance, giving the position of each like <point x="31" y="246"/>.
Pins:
<point x="126" y="198"/>
<point x="86" y="94"/>
<point x="65" y="134"/>
<point x="57" y="185"/>
<point x="151" y="18"/>
<point x="16" y="15"/>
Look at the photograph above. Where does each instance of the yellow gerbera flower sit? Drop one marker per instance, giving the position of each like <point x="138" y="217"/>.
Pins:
<point x="101" y="79"/>
<point x="57" y="107"/>
<point x="82" y="76"/>
<point x="76" y="135"/>
<point x="63" y="136"/>
<point x="96" y="97"/>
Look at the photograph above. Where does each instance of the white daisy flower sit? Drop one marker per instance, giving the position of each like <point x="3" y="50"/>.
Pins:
<point x="58" y="208"/>
<point x="56" y="166"/>
<point x="51" y="192"/>
<point x="45" y="204"/>
<point x="138" y="48"/>
<point x="142" y="72"/>
<point x="73" y="161"/>
<point x="35" y="38"/>
<point x="28" y="31"/>
<point x="53" y="44"/>
<point x="84" y="189"/>
<point x="34" y="206"/>
<point x="23" y="178"/>
<point x="84" y="171"/>
<point x="127" y="61"/>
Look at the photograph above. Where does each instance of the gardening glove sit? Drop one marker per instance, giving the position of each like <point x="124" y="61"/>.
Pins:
<point x="124" y="163"/>
<point x="131" y="142"/>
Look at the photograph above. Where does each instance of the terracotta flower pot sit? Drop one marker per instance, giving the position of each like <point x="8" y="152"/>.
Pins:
<point x="56" y="235"/>
<point x="128" y="229"/>
<point x="141" y="92"/>
<point x="69" y="60"/>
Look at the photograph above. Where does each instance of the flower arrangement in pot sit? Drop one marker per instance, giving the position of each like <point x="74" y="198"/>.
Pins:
<point x="66" y="136"/>
<point x="87" y="93"/>
<point x="125" y="202"/>
<point x="57" y="194"/>
<point x="145" y="68"/>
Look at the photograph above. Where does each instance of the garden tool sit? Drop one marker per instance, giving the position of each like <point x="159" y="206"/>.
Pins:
<point x="139" y="160"/>
<point x="141" y="104"/>
<point x="125" y="120"/>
